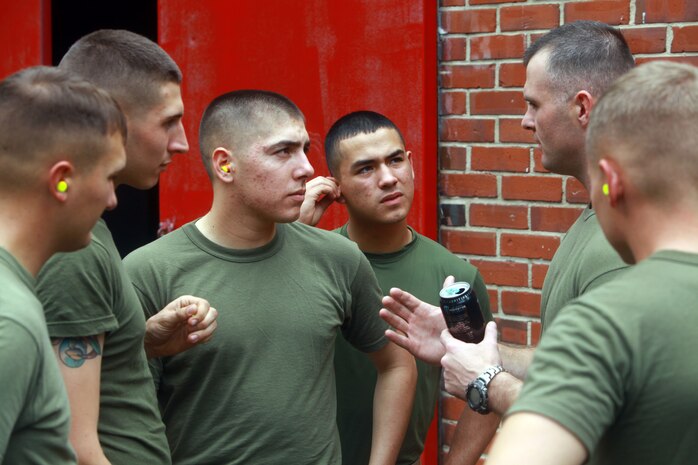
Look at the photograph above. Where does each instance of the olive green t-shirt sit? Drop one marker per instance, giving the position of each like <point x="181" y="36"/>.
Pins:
<point x="420" y="269"/>
<point x="86" y="293"/>
<point x="583" y="261"/>
<point x="618" y="366"/>
<point x="34" y="409"/>
<point x="262" y="391"/>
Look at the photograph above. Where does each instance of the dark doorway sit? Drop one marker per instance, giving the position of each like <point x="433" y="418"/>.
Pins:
<point x="135" y="221"/>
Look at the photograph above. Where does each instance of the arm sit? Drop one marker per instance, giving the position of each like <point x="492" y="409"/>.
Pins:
<point x="516" y="360"/>
<point x="320" y="192"/>
<point x="529" y="438"/>
<point x="182" y="324"/>
<point x="80" y="362"/>
<point x="473" y="433"/>
<point x="392" y="402"/>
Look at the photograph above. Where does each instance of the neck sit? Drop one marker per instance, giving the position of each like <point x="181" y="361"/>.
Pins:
<point x="235" y="228"/>
<point x="25" y="235"/>
<point x="671" y="228"/>
<point x="379" y="238"/>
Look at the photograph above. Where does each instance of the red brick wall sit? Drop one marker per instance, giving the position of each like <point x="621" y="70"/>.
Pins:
<point x="500" y="209"/>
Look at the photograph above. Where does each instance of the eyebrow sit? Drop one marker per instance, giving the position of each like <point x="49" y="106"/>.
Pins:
<point x="368" y="161"/>
<point x="288" y="143"/>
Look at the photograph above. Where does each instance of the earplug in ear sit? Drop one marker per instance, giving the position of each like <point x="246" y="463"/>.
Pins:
<point x="605" y="189"/>
<point x="62" y="186"/>
<point x="225" y="168"/>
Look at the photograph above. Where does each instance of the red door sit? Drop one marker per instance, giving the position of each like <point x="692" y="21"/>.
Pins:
<point x="25" y="35"/>
<point x="330" y="58"/>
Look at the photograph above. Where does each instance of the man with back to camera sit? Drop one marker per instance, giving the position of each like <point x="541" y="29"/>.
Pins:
<point x="613" y="381"/>
<point x="93" y="314"/>
<point x="374" y="178"/>
<point x="61" y="145"/>
<point x="263" y="390"/>
<point x="567" y="70"/>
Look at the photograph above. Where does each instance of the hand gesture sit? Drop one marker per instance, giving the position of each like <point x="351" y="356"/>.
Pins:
<point x="320" y="192"/>
<point x="182" y="324"/>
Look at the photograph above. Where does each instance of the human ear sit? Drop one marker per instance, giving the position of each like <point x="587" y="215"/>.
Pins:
<point x="614" y="180"/>
<point x="223" y="164"/>
<point x="583" y="103"/>
<point x="60" y="178"/>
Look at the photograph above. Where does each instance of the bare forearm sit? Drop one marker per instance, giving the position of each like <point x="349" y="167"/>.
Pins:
<point x="516" y="359"/>
<point x="392" y="407"/>
<point x="90" y="452"/>
<point x="502" y="392"/>
<point x="473" y="433"/>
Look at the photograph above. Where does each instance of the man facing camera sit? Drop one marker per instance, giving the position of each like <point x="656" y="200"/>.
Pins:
<point x="263" y="390"/>
<point x="373" y="176"/>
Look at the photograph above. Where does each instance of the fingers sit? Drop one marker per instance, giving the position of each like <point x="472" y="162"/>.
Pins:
<point x="205" y="330"/>
<point x="490" y="333"/>
<point x="405" y="299"/>
<point x="321" y="186"/>
<point x="399" y="339"/>
<point x="394" y="320"/>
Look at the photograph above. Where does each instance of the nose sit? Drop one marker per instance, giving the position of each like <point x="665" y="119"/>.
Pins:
<point x="111" y="200"/>
<point x="304" y="170"/>
<point x="386" y="177"/>
<point x="527" y="121"/>
<point x="178" y="141"/>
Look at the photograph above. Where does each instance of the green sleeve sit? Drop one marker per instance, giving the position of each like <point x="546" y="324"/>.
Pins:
<point x="364" y="329"/>
<point x="578" y="374"/>
<point x="19" y="362"/>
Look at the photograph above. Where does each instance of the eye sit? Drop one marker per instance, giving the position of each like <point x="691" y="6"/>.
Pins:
<point x="396" y="160"/>
<point x="364" y="170"/>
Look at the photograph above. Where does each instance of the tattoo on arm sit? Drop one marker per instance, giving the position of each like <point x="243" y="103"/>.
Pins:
<point x="73" y="351"/>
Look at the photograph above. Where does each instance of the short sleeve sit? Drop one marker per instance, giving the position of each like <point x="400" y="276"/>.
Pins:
<point x="578" y="374"/>
<point x="363" y="328"/>
<point x="19" y="362"/>
<point x="76" y="292"/>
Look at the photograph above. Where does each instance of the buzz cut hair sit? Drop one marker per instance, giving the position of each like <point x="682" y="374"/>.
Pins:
<point x="47" y="114"/>
<point x="234" y="119"/>
<point x="583" y="55"/>
<point x="351" y="125"/>
<point x="647" y="121"/>
<point x="129" y="66"/>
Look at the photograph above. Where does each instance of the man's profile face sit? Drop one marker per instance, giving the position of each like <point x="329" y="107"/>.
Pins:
<point x="270" y="175"/>
<point x="155" y="135"/>
<point x="376" y="177"/>
<point x="551" y="117"/>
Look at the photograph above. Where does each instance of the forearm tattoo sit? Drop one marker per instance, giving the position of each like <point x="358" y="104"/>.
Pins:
<point x="73" y="351"/>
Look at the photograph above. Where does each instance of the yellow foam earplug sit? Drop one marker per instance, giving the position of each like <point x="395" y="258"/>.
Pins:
<point x="62" y="186"/>
<point x="604" y="189"/>
<point x="225" y="168"/>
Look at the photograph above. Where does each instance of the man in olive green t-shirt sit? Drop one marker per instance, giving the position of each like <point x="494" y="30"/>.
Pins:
<point x="61" y="143"/>
<point x="567" y="70"/>
<point x="94" y="318"/>
<point x="613" y="380"/>
<point x="374" y="178"/>
<point x="263" y="390"/>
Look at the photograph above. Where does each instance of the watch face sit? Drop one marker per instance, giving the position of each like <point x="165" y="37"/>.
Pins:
<point x="474" y="397"/>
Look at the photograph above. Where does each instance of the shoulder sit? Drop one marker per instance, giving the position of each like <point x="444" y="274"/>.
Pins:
<point x="324" y="241"/>
<point x="161" y="249"/>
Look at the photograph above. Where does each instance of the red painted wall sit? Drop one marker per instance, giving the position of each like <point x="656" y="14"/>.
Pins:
<point x="25" y="35"/>
<point x="330" y="58"/>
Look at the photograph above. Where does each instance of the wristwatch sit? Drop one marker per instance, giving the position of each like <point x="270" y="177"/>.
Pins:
<point x="476" y="394"/>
